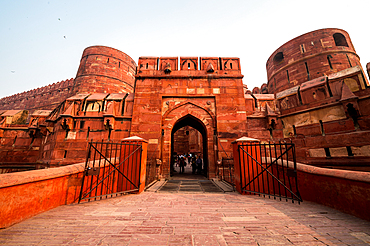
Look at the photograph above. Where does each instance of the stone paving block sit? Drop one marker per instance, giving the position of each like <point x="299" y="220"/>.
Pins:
<point x="115" y="240"/>
<point x="109" y="229"/>
<point x="180" y="240"/>
<point x="153" y="223"/>
<point x="210" y="240"/>
<point x="362" y="236"/>
<point x="87" y="239"/>
<point x="235" y="230"/>
<point x="271" y="240"/>
<point x="149" y="239"/>
<point x="300" y="238"/>
<point x="280" y="230"/>
<point x="141" y="230"/>
<point x="239" y="240"/>
<point x="56" y="241"/>
<point x="311" y="243"/>
<point x="167" y="230"/>
<point x="205" y="230"/>
<point x="300" y="229"/>
<point x="241" y="218"/>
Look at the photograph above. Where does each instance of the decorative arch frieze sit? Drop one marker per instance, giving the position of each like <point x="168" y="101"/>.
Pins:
<point x="187" y="111"/>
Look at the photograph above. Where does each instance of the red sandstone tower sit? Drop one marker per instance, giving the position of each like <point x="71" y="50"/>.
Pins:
<point x="323" y="95"/>
<point x="105" y="70"/>
<point x="310" y="56"/>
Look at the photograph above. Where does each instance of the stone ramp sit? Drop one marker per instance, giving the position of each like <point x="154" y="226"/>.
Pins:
<point x="155" y="218"/>
<point x="223" y="185"/>
<point x="155" y="186"/>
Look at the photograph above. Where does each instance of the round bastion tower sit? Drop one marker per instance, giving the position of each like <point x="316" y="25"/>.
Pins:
<point x="105" y="70"/>
<point x="309" y="56"/>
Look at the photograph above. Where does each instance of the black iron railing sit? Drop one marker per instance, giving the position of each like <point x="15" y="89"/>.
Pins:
<point x="226" y="170"/>
<point x="269" y="169"/>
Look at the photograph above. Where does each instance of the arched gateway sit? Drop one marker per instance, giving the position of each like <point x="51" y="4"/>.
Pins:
<point x="201" y="119"/>
<point x="206" y="97"/>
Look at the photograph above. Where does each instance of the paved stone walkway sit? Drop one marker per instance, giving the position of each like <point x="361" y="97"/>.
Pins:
<point x="153" y="218"/>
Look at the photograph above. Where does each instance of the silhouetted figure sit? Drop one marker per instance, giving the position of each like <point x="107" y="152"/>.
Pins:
<point x="193" y="164"/>
<point x="199" y="165"/>
<point x="182" y="165"/>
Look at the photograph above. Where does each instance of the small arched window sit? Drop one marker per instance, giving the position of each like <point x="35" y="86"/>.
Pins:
<point x="340" y="40"/>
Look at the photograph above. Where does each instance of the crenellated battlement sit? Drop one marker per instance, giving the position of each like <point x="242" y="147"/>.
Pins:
<point x="46" y="97"/>
<point x="188" y="65"/>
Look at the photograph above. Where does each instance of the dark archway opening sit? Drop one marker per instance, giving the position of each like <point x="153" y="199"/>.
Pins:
<point x="196" y="124"/>
<point x="340" y="40"/>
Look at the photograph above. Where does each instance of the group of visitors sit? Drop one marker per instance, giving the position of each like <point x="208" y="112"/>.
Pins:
<point x="195" y="161"/>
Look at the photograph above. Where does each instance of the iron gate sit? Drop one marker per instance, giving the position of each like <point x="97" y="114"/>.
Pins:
<point x="111" y="169"/>
<point x="269" y="170"/>
<point x="225" y="170"/>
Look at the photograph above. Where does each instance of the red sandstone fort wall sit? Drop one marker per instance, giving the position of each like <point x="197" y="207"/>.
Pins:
<point x="102" y="70"/>
<point x="310" y="109"/>
<point x="47" y="97"/>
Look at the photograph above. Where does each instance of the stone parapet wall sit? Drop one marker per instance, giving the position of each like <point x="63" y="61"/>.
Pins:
<point x="46" y="189"/>
<point x="343" y="190"/>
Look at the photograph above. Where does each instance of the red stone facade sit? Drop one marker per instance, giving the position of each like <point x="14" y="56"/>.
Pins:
<point x="317" y="96"/>
<point x="205" y="93"/>
<point x="105" y="70"/>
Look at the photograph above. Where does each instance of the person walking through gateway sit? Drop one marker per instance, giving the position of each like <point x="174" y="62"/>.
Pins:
<point x="182" y="164"/>
<point x="193" y="164"/>
<point x="199" y="165"/>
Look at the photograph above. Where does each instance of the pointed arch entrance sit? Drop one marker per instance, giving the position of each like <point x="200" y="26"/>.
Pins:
<point x="193" y="122"/>
<point x="199" y="118"/>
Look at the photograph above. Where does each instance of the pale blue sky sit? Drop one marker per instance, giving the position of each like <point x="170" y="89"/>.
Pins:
<point x="42" y="41"/>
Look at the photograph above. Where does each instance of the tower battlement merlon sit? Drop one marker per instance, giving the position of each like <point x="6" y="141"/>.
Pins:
<point x="186" y="66"/>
